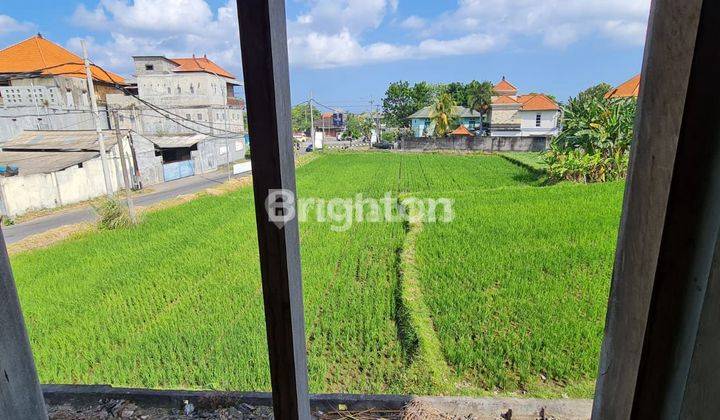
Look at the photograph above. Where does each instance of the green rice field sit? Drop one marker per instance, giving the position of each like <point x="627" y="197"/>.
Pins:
<point x="508" y="298"/>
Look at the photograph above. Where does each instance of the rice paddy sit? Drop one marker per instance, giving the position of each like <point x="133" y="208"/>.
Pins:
<point x="509" y="297"/>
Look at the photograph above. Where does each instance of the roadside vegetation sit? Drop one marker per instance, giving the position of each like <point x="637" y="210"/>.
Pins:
<point x="594" y="144"/>
<point x="507" y="298"/>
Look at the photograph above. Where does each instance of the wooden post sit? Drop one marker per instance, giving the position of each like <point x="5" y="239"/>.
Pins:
<point x="666" y="241"/>
<point x="20" y="394"/>
<point x="263" y="42"/>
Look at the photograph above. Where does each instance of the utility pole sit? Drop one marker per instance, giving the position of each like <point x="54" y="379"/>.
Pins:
<point x="94" y="107"/>
<point x="126" y="177"/>
<point x="227" y="146"/>
<point x="312" y="122"/>
<point x="377" y="122"/>
<point x="372" y="104"/>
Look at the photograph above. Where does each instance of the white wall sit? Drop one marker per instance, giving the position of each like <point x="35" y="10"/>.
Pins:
<point x="26" y="193"/>
<point x="548" y="123"/>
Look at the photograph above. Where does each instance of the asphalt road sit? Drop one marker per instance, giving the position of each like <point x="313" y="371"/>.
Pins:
<point x="161" y="192"/>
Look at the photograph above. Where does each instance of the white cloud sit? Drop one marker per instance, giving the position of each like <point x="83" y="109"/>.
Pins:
<point x="413" y="22"/>
<point x="557" y="23"/>
<point x="9" y="25"/>
<point x="175" y="28"/>
<point x="332" y="33"/>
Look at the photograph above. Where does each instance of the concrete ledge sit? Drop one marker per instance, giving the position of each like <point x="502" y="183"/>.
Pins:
<point x="79" y="395"/>
<point x="420" y="407"/>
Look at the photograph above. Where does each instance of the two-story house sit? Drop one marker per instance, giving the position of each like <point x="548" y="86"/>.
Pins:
<point x="422" y="125"/>
<point x="185" y="114"/>
<point x="526" y="116"/>
<point x="43" y="86"/>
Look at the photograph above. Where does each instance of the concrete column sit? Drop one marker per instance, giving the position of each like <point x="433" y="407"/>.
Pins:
<point x="20" y="394"/>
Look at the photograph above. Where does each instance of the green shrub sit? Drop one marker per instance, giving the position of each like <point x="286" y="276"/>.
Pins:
<point x="594" y="144"/>
<point x="247" y="153"/>
<point x="7" y="221"/>
<point x="112" y="214"/>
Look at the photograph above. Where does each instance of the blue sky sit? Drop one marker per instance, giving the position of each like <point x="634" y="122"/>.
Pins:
<point x="347" y="51"/>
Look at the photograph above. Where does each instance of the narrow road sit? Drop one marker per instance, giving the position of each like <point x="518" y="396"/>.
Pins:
<point x="161" y="192"/>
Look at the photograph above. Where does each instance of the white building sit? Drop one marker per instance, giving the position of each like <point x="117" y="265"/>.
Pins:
<point x="43" y="87"/>
<point x="200" y="93"/>
<point x="533" y="116"/>
<point x="57" y="168"/>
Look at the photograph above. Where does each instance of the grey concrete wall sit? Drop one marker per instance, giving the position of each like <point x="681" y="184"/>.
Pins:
<point x="14" y="120"/>
<point x="480" y="144"/>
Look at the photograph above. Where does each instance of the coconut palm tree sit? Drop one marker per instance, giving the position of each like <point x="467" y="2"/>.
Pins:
<point x="443" y="114"/>
<point x="479" y="96"/>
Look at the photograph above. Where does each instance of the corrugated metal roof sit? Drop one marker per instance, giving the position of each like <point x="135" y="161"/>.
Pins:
<point x="30" y="163"/>
<point x="68" y="140"/>
<point x="180" y="140"/>
<point x="460" y="111"/>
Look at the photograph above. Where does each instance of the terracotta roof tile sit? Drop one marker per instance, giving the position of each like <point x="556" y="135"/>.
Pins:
<point x="504" y="87"/>
<point x="629" y="89"/>
<point x="504" y="100"/>
<point x="537" y="102"/>
<point x="200" y="64"/>
<point x="37" y="54"/>
<point x="461" y="131"/>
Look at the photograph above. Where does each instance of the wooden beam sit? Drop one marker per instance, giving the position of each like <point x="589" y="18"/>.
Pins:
<point x="263" y="42"/>
<point x="689" y="241"/>
<point x="649" y="212"/>
<point x="20" y="394"/>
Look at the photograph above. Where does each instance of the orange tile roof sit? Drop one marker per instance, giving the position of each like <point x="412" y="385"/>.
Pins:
<point x="461" y="131"/>
<point x="37" y="54"/>
<point x="503" y="87"/>
<point x="504" y="100"/>
<point x="537" y="102"/>
<point x="201" y="64"/>
<point x="631" y="88"/>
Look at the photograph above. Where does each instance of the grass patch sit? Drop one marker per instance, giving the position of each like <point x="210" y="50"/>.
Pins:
<point x="513" y="289"/>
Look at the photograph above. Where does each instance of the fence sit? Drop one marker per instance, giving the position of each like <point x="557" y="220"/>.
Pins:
<point x="480" y="144"/>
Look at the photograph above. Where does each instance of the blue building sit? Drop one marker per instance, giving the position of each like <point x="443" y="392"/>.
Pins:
<point x="422" y="125"/>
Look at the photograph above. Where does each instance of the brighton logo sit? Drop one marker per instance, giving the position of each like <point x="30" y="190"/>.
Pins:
<point x="342" y="213"/>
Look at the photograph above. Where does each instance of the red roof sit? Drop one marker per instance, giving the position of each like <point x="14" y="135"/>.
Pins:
<point x="629" y="89"/>
<point x="503" y="87"/>
<point x="504" y="100"/>
<point x="201" y="64"/>
<point x="37" y="54"/>
<point x="461" y="131"/>
<point x="537" y="102"/>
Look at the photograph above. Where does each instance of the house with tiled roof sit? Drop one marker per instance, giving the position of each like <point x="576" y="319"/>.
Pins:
<point x="535" y="116"/>
<point x="43" y="86"/>
<point x="201" y="95"/>
<point x="629" y="89"/>
<point x="422" y="125"/>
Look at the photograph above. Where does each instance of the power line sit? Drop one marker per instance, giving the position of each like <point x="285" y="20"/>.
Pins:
<point x="157" y="108"/>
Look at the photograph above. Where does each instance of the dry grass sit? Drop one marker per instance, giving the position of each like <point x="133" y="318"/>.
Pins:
<point x="50" y="237"/>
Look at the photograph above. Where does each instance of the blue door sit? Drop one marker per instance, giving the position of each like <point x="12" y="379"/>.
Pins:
<point x="177" y="170"/>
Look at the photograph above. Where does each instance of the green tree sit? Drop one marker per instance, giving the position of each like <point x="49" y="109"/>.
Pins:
<point x="398" y="104"/>
<point x="300" y="115"/>
<point x="479" y="96"/>
<point x="457" y="90"/>
<point x="422" y="95"/>
<point x="594" y="144"/>
<point x="359" y="126"/>
<point x="443" y="114"/>
<point x="598" y="91"/>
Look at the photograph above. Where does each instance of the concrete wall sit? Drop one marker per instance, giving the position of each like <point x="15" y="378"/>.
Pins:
<point x="499" y="144"/>
<point x="209" y="156"/>
<point x="14" y="120"/>
<point x="182" y="89"/>
<point x="25" y="193"/>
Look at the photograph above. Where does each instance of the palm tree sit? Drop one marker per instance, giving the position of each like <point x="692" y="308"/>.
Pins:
<point x="479" y="96"/>
<point x="443" y="114"/>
